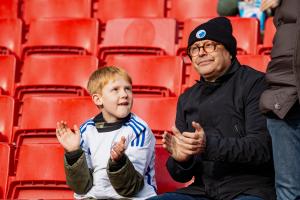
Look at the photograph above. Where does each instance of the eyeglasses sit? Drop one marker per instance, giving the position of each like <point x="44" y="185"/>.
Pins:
<point x="208" y="47"/>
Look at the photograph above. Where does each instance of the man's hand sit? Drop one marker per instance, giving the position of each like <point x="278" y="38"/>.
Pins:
<point x="183" y="146"/>
<point x="267" y="4"/>
<point x="67" y="138"/>
<point x="118" y="150"/>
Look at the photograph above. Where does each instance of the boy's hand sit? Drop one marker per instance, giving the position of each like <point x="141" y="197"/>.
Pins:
<point x="118" y="150"/>
<point x="267" y="4"/>
<point x="68" y="139"/>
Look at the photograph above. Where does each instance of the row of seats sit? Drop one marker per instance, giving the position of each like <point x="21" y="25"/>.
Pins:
<point x="68" y="74"/>
<point x="155" y="36"/>
<point x="39" y="172"/>
<point x="30" y="10"/>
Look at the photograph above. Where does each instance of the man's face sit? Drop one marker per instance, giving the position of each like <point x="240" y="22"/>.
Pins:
<point x="211" y="60"/>
<point x="116" y="99"/>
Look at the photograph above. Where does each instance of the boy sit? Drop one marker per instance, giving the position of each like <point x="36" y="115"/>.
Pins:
<point x="112" y="155"/>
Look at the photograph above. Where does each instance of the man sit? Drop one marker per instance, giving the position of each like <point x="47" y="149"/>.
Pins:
<point x="220" y="137"/>
<point x="280" y="102"/>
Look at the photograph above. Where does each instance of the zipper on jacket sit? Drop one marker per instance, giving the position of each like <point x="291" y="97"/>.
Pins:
<point x="236" y="129"/>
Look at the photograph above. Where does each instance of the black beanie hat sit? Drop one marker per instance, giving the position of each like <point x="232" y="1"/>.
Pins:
<point x="218" y="29"/>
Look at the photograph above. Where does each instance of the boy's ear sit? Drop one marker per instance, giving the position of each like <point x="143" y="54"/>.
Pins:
<point x="97" y="99"/>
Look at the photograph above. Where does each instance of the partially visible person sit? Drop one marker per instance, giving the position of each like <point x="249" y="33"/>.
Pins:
<point x="280" y="102"/>
<point x="220" y="138"/>
<point x="111" y="156"/>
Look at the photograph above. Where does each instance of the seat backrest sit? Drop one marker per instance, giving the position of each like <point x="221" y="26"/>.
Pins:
<point x="77" y="36"/>
<point x="113" y="9"/>
<point x="270" y="30"/>
<point x="35" y="9"/>
<point x="6" y="117"/>
<point x="39" y="173"/>
<point x="184" y="9"/>
<point x="258" y="62"/>
<point x="9" y="9"/>
<point x="247" y="41"/>
<point x="4" y="160"/>
<point x="158" y="113"/>
<point x="46" y="74"/>
<point x="39" y="114"/>
<point x="152" y="75"/>
<point x="10" y="36"/>
<point x="7" y="74"/>
<point x="139" y="36"/>
<point x="164" y="181"/>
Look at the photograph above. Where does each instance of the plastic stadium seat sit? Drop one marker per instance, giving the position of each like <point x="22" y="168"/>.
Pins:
<point x="5" y="161"/>
<point x="39" y="173"/>
<point x="35" y="9"/>
<point x="55" y="75"/>
<point x="139" y="36"/>
<point x="6" y="117"/>
<point x="269" y="33"/>
<point x="112" y="9"/>
<point x="164" y="181"/>
<point x="38" y="116"/>
<point x="247" y="41"/>
<point x="10" y="36"/>
<point x="152" y="75"/>
<point x="158" y="113"/>
<point x="258" y="62"/>
<point x="69" y="36"/>
<point x="9" y="9"/>
<point x="185" y="9"/>
<point x="7" y="74"/>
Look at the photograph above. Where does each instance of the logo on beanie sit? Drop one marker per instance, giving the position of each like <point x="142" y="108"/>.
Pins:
<point x="201" y="34"/>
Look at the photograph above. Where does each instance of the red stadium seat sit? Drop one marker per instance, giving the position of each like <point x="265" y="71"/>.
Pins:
<point x="5" y="152"/>
<point x="139" y="36"/>
<point x="39" y="114"/>
<point x="269" y="33"/>
<point x="35" y="9"/>
<point x="185" y="9"/>
<point x="152" y="75"/>
<point x="69" y="36"/>
<point x="39" y="173"/>
<point x="55" y="75"/>
<point x="258" y="62"/>
<point x="164" y="181"/>
<point x="6" y="117"/>
<point x="158" y="113"/>
<point x="9" y="9"/>
<point x="10" y="36"/>
<point x="130" y="9"/>
<point x="7" y="74"/>
<point x="247" y="41"/>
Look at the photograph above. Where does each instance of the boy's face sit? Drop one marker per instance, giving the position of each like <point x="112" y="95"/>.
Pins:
<point x="116" y="99"/>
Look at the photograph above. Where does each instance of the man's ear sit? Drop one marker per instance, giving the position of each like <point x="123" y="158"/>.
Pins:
<point x="97" y="99"/>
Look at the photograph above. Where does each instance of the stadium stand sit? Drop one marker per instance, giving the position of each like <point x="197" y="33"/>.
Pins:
<point x="182" y="10"/>
<point x="152" y="75"/>
<point x="5" y="152"/>
<point x="64" y="36"/>
<point x="39" y="173"/>
<point x="9" y="9"/>
<point x="269" y="33"/>
<point x="6" y="117"/>
<point x="55" y="75"/>
<point x="10" y="36"/>
<point x="155" y="36"/>
<point x="258" y="62"/>
<point x="158" y="113"/>
<point x="130" y="9"/>
<point x="38" y="116"/>
<point x="7" y="74"/>
<point x="36" y="9"/>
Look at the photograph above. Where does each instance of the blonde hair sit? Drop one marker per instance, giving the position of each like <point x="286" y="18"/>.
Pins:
<point x="102" y="76"/>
